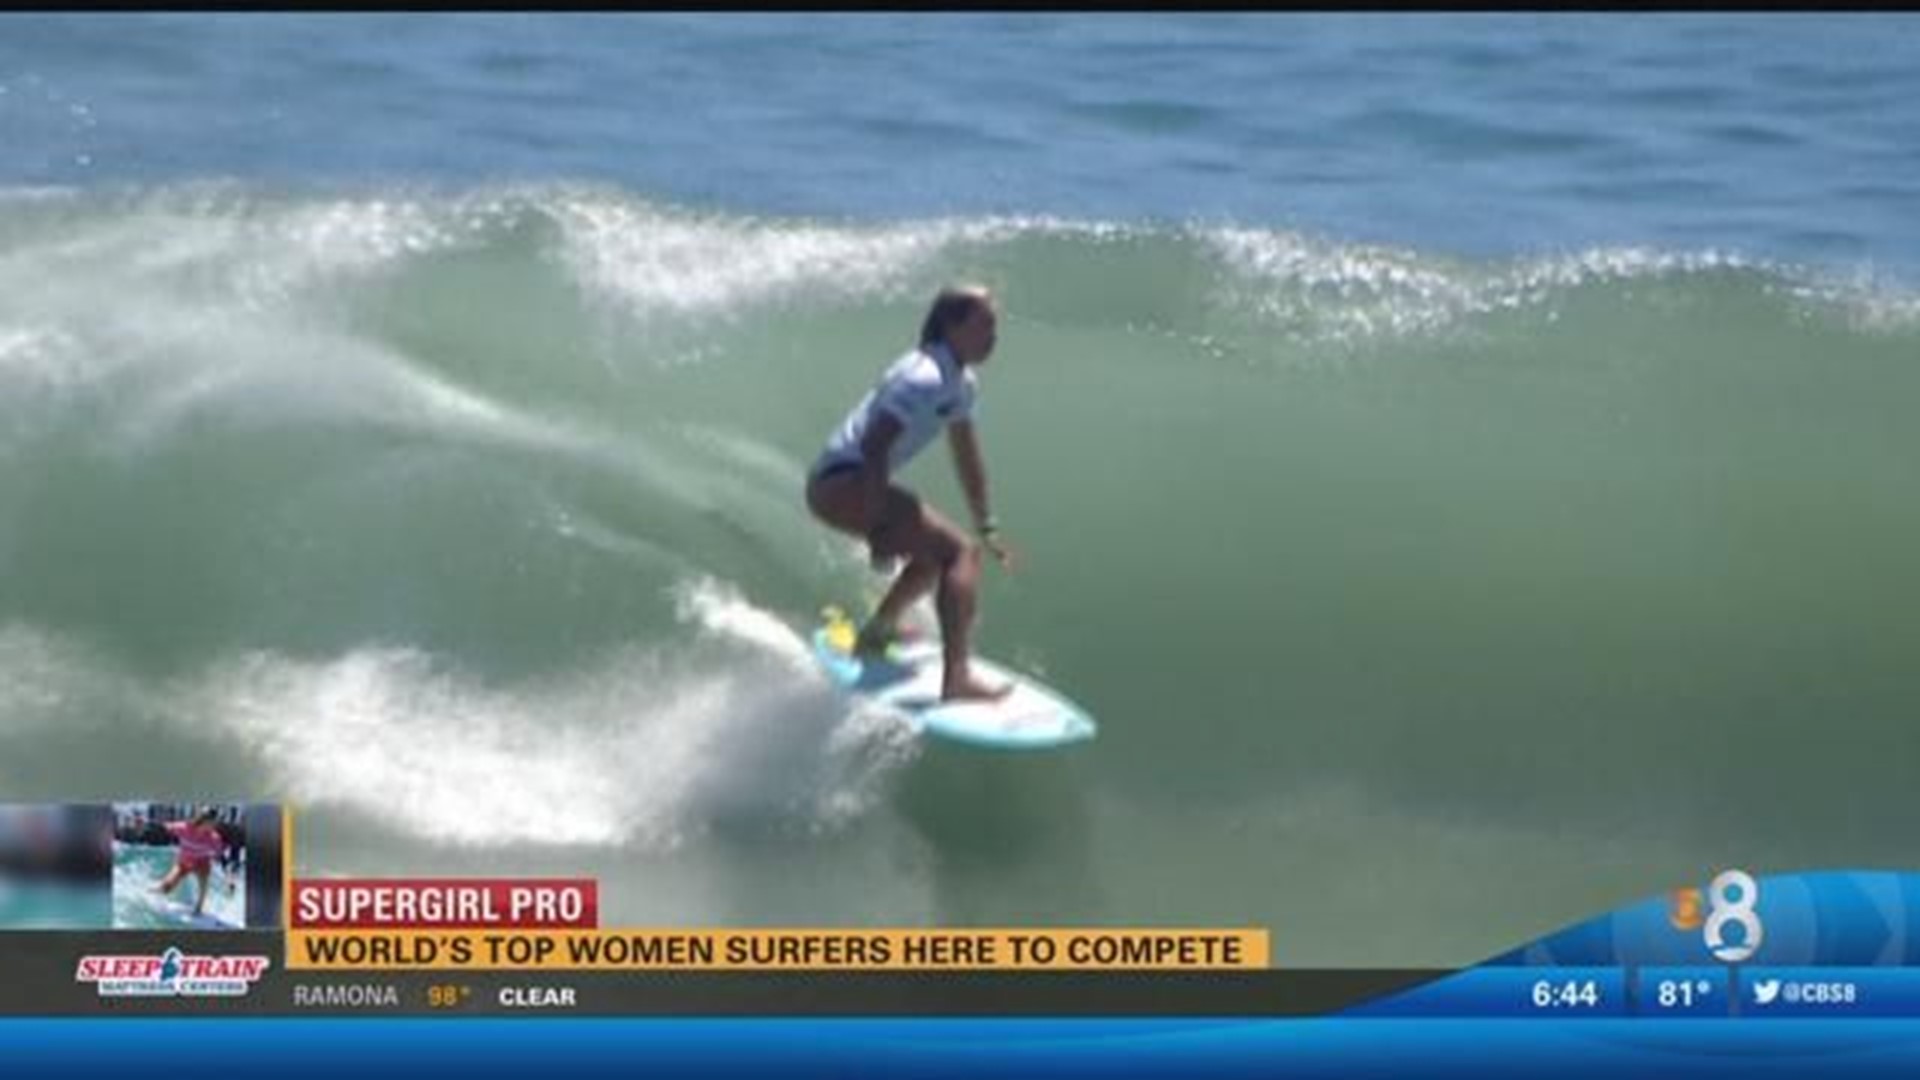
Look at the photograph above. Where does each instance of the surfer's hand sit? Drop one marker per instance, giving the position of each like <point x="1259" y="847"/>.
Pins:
<point x="1002" y="554"/>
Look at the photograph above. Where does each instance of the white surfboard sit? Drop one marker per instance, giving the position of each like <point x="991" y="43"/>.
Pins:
<point x="183" y="914"/>
<point x="907" y="682"/>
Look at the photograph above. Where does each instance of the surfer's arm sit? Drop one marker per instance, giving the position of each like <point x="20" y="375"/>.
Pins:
<point x="973" y="472"/>
<point x="973" y="480"/>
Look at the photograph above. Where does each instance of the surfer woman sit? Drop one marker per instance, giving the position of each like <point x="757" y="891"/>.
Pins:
<point x="850" y="485"/>
<point x="200" y="843"/>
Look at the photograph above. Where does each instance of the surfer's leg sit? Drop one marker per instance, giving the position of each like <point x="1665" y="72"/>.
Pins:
<point x="916" y="581"/>
<point x="202" y="873"/>
<point x="934" y="540"/>
<point x="913" y="531"/>
<point x="173" y="878"/>
<point x="958" y="603"/>
<point x="921" y="534"/>
<point x="840" y="501"/>
<point x="937" y="553"/>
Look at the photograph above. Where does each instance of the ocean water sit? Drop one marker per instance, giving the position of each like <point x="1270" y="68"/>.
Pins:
<point x="1464" y="461"/>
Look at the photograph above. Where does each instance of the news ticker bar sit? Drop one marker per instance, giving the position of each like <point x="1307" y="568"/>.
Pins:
<point x="40" y="975"/>
<point x="91" y="973"/>
<point x="824" y="950"/>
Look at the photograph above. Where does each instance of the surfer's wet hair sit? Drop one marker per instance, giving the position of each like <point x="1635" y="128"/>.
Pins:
<point x="955" y="305"/>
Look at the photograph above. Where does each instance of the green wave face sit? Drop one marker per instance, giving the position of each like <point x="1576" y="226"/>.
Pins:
<point x="471" y="521"/>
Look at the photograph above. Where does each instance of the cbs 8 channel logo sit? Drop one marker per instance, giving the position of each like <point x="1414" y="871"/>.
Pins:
<point x="1724" y="915"/>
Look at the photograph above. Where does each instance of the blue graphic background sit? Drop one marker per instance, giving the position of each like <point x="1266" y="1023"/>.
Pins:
<point x="1855" y="918"/>
<point x="961" y="1048"/>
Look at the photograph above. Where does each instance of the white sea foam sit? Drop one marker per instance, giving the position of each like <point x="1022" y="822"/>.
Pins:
<point x="645" y="747"/>
<point x="1322" y="289"/>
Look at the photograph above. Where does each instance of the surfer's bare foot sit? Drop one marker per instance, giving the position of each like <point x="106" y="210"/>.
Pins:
<point x="972" y="689"/>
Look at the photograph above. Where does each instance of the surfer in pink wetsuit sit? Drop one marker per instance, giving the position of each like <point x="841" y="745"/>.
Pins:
<point x="200" y="843"/>
<point x="850" y="486"/>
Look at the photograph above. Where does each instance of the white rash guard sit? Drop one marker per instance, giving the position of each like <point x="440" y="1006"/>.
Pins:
<point x="925" y="390"/>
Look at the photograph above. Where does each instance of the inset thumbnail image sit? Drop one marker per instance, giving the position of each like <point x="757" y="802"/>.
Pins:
<point x="179" y="865"/>
<point x="55" y="866"/>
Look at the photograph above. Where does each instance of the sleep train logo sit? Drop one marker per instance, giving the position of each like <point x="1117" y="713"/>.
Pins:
<point x="171" y="974"/>
<point x="1728" y="901"/>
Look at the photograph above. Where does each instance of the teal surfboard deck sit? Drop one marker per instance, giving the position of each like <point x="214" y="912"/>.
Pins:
<point x="907" y="682"/>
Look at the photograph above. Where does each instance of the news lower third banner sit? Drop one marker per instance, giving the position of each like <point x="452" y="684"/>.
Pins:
<point x="165" y="907"/>
<point x="251" y="973"/>
<point x="481" y="924"/>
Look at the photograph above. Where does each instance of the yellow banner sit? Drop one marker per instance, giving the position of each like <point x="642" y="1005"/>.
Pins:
<point x="890" y="949"/>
